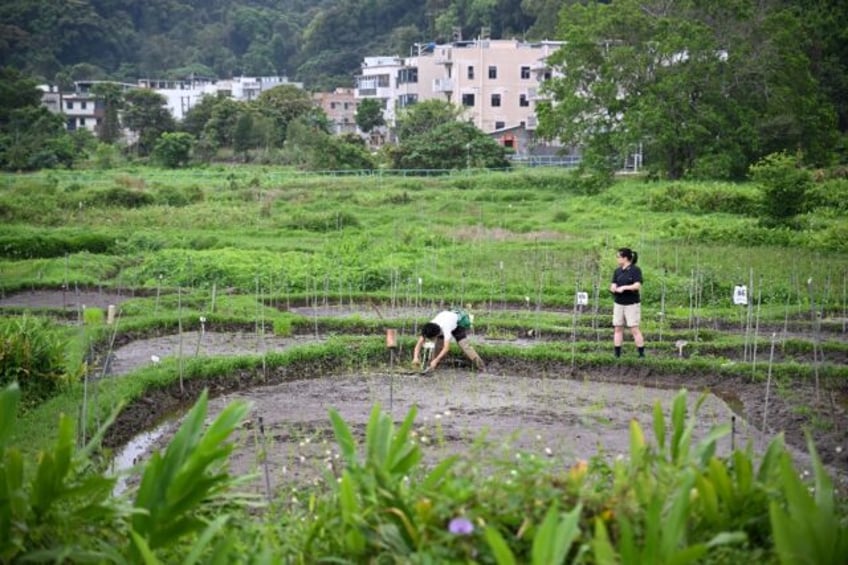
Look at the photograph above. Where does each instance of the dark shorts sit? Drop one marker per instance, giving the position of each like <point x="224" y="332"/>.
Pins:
<point x="459" y="334"/>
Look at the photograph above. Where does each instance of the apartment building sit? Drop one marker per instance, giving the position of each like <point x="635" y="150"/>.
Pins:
<point x="182" y="95"/>
<point x="494" y="81"/>
<point x="340" y="107"/>
<point x="82" y="110"/>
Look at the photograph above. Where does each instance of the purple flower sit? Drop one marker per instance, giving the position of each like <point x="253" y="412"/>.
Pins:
<point x="461" y="526"/>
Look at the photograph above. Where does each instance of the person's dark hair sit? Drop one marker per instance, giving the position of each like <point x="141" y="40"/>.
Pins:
<point x="431" y="330"/>
<point x="628" y="254"/>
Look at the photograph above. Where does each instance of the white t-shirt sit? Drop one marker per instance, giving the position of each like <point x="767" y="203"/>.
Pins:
<point x="447" y="320"/>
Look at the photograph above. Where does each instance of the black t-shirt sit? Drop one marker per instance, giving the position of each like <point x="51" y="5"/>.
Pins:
<point x="626" y="277"/>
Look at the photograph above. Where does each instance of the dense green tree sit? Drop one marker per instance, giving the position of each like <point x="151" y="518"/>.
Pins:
<point x="30" y="136"/>
<point x="34" y="138"/>
<point x="112" y="97"/>
<point x="198" y="116"/>
<point x="450" y="145"/>
<point x="173" y="149"/>
<point x="369" y="114"/>
<point x="283" y="104"/>
<point x="423" y="117"/>
<point x="704" y="89"/>
<point x="146" y="115"/>
<point x="16" y="91"/>
<point x="219" y="129"/>
<point x="309" y="146"/>
<point x="784" y="183"/>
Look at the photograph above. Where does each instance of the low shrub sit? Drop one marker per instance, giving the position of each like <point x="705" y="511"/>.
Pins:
<point x="32" y="353"/>
<point x="120" y="197"/>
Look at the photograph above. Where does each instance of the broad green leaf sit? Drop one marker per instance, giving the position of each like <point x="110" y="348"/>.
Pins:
<point x="143" y="549"/>
<point x="205" y="539"/>
<point x="659" y="426"/>
<point x="503" y="554"/>
<point x="344" y="438"/>
<point x="9" y="398"/>
<point x="603" y="549"/>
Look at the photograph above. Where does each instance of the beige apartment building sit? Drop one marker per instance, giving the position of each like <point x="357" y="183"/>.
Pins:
<point x="494" y="81"/>
<point x="340" y="107"/>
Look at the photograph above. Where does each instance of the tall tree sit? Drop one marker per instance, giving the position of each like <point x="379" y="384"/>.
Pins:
<point x="369" y="114"/>
<point x="109" y="130"/>
<point x="424" y="116"/>
<point x="705" y="88"/>
<point x="283" y="104"/>
<point x="145" y="114"/>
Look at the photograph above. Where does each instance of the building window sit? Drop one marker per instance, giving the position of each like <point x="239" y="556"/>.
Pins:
<point x="470" y="72"/>
<point x="69" y="104"/>
<point x="467" y="99"/>
<point x="493" y="72"/>
<point x="409" y="75"/>
<point x="346" y="105"/>
<point x="332" y="105"/>
<point x="72" y="124"/>
<point x="82" y="121"/>
<point x="523" y="101"/>
<point x="496" y="100"/>
<point x="525" y="72"/>
<point x="405" y="100"/>
<point x="83" y="105"/>
<point x="547" y="75"/>
<point x="500" y="125"/>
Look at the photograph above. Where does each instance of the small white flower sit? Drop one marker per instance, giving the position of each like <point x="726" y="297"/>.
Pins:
<point x="518" y="456"/>
<point x="438" y="416"/>
<point x="447" y="413"/>
<point x="301" y="444"/>
<point x="538" y="437"/>
<point x="154" y="358"/>
<point x="302" y="459"/>
<point x="838" y="449"/>
<point x="548" y="451"/>
<point x="203" y="319"/>
<point x="513" y="472"/>
<point x="424" y="439"/>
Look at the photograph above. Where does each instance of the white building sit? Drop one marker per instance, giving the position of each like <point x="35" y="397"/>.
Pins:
<point x="182" y="95"/>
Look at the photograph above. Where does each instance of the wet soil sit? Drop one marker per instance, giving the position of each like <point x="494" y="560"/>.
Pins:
<point x="550" y="410"/>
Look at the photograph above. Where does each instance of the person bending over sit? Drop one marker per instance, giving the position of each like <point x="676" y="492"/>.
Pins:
<point x="447" y="325"/>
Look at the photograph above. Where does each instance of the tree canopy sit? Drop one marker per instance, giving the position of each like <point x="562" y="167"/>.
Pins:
<point x="703" y="89"/>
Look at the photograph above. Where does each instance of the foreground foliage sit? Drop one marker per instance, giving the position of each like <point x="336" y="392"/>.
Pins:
<point x="670" y="501"/>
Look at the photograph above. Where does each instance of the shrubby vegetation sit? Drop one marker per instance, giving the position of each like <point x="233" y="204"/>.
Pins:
<point x="669" y="500"/>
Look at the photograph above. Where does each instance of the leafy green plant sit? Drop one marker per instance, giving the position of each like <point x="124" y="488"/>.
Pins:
<point x="93" y="316"/>
<point x="60" y="510"/>
<point x="32" y="353"/>
<point x="372" y="485"/>
<point x="784" y="184"/>
<point x="176" y="486"/>
<point x="806" y="526"/>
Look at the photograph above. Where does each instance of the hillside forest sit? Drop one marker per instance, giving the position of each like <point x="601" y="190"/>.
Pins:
<point x="702" y="90"/>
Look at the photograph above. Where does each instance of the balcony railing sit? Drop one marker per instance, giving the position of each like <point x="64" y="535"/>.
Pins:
<point x="443" y="85"/>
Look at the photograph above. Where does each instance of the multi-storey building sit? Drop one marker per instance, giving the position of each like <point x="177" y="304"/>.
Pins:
<point x="182" y="95"/>
<point x="495" y="82"/>
<point x="340" y="107"/>
<point x="84" y="110"/>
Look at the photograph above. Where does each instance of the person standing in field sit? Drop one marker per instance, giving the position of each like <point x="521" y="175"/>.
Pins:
<point x="447" y="325"/>
<point x="627" y="310"/>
